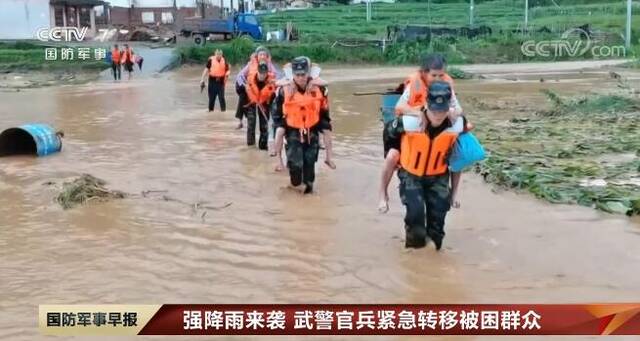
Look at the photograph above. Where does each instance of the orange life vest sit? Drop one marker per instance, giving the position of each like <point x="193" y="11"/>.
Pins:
<point x="115" y="55"/>
<point x="302" y="110"/>
<point x="127" y="55"/>
<point x="418" y="89"/>
<point x="218" y="68"/>
<point x="420" y="155"/>
<point x="257" y="95"/>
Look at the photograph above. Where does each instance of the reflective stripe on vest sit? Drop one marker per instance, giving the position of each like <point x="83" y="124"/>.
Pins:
<point x="417" y="91"/>
<point x="218" y="68"/>
<point x="302" y="110"/>
<point x="419" y="155"/>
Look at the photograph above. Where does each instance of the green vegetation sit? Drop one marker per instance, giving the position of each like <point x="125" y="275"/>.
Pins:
<point x="581" y="150"/>
<point x="22" y="56"/>
<point x="341" y="34"/>
<point x="342" y="22"/>
<point x="321" y="28"/>
<point x="456" y="73"/>
<point x="239" y="50"/>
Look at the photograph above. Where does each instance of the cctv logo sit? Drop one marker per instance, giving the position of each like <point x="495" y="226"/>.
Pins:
<point x="62" y="34"/>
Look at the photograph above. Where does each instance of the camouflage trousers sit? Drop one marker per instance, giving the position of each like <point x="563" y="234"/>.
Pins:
<point x="254" y="114"/>
<point x="302" y="154"/>
<point x="427" y="201"/>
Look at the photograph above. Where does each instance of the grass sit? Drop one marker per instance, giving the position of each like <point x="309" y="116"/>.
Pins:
<point x="557" y="153"/>
<point x="341" y="22"/>
<point x="494" y="49"/>
<point x="239" y="50"/>
<point x="327" y="32"/>
<point x="321" y="27"/>
<point x="457" y="73"/>
<point x="22" y="56"/>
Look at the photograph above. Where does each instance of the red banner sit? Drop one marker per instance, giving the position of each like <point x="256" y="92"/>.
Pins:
<point x="386" y="319"/>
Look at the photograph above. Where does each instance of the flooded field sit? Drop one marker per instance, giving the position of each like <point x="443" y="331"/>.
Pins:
<point x="265" y="243"/>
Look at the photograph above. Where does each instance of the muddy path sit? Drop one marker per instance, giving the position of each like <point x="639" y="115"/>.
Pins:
<point x="270" y="245"/>
<point x="501" y="71"/>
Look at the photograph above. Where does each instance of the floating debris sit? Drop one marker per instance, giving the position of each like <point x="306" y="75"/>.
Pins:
<point x="550" y="154"/>
<point x="593" y="183"/>
<point x="85" y="189"/>
<point x="614" y="75"/>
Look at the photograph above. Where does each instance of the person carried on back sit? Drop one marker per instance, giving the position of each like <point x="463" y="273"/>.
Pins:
<point x="425" y="187"/>
<point x="327" y="137"/>
<point x="409" y="108"/>
<point x="300" y="113"/>
<point x="260" y="91"/>
<point x="260" y="55"/>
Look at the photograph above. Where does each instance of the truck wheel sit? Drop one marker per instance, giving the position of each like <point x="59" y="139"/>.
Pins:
<point x="199" y="40"/>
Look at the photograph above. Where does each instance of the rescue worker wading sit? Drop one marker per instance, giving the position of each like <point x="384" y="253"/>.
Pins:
<point x="424" y="174"/>
<point x="127" y="59"/>
<point x="260" y="92"/>
<point x="261" y="54"/>
<point x="301" y="112"/>
<point x="116" y="68"/>
<point x="218" y="70"/>
<point x="413" y="100"/>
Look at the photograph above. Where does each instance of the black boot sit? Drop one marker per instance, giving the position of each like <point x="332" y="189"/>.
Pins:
<point x="415" y="240"/>
<point x="262" y="142"/>
<point x="437" y="239"/>
<point x="308" y="189"/>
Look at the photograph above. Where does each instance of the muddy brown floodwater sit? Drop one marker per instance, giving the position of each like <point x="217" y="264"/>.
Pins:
<point x="271" y="245"/>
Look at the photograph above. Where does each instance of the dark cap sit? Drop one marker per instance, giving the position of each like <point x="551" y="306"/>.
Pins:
<point x="439" y="96"/>
<point x="263" y="68"/>
<point x="300" y="65"/>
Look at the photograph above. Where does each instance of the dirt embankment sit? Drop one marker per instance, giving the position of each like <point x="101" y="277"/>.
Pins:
<point x="36" y="79"/>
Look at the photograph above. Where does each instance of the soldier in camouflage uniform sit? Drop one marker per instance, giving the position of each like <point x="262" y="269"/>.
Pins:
<point x="425" y="187"/>
<point x="302" y="111"/>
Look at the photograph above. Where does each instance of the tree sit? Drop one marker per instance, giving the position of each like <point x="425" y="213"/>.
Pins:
<point x="202" y="5"/>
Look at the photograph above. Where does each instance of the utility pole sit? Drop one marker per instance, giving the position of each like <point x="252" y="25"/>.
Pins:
<point x="200" y="4"/>
<point x="526" y="15"/>
<point x="471" y="13"/>
<point x="627" y="40"/>
<point x="175" y="12"/>
<point x="368" y="10"/>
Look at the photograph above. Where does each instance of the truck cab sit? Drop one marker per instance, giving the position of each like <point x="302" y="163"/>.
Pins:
<point x="248" y="24"/>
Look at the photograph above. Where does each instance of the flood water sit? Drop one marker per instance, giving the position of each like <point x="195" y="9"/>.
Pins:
<point x="271" y="245"/>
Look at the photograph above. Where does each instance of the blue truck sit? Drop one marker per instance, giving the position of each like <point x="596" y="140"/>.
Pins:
<point x="243" y="24"/>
